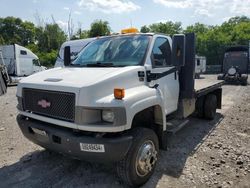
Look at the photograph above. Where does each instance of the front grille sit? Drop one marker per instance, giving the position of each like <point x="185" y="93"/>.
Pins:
<point x="55" y="104"/>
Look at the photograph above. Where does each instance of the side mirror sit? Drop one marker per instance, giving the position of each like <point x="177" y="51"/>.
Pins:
<point x="66" y="56"/>
<point x="178" y="50"/>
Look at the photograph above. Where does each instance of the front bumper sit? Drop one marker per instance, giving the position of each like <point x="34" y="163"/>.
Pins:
<point x="65" y="141"/>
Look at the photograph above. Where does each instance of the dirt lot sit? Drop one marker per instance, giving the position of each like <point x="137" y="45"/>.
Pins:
<point x="203" y="154"/>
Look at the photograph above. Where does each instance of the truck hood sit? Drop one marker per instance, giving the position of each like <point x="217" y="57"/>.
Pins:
<point x="70" y="77"/>
<point x="75" y="78"/>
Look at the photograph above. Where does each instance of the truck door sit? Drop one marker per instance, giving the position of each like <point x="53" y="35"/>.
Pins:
<point x="166" y="73"/>
<point x="24" y="63"/>
<point x="36" y="65"/>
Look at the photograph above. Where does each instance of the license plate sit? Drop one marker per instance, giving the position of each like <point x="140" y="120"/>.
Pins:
<point x="40" y="132"/>
<point x="92" y="147"/>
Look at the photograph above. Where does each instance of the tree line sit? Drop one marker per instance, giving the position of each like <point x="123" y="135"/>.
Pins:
<point x="46" y="40"/>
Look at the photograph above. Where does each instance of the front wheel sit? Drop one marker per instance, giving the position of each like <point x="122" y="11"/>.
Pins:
<point x="139" y="163"/>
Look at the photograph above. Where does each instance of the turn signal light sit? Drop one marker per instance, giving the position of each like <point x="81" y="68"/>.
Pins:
<point x="119" y="93"/>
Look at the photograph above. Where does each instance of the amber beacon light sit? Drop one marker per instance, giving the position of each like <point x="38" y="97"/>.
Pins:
<point x="129" y="30"/>
<point x="119" y="93"/>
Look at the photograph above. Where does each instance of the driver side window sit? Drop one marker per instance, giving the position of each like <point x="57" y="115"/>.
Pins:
<point x="36" y="62"/>
<point x="161" y="53"/>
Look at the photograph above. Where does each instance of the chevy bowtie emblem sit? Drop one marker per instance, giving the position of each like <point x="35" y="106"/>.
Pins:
<point x="44" y="104"/>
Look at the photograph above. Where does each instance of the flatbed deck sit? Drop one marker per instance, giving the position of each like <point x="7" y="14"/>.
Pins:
<point x="203" y="86"/>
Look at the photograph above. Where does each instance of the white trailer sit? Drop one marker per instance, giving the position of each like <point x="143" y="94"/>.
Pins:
<point x="118" y="101"/>
<point x="75" y="46"/>
<point x="20" y="61"/>
<point x="200" y="65"/>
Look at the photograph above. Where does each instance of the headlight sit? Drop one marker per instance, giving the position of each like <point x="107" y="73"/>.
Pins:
<point x="108" y="115"/>
<point x="92" y="116"/>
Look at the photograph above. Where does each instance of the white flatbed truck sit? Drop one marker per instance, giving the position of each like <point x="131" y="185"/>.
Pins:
<point x="118" y="101"/>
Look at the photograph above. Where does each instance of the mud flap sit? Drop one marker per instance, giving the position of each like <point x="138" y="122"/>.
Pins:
<point x="3" y="84"/>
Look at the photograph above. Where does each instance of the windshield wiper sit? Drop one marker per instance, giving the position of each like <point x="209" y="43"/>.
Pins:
<point x="75" y="65"/>
<point x="100" y="65"/>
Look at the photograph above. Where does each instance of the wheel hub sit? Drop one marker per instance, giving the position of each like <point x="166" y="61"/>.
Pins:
<point x="146" y="158"/>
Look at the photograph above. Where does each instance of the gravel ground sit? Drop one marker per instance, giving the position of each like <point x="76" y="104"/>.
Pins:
<point x="203" y="154"/>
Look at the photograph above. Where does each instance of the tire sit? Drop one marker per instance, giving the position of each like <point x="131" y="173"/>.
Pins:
<point x="210" y="106"/>
<point x="199" y="106"/>
<point x="128" y="169"/>
<point x="244" y="83"/>
<point x="244" y="80"/>
<point x="220" y="77"/>
<point x="197" y="76"/>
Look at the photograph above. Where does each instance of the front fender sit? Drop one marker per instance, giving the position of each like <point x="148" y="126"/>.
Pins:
<point x="136" y="100"/>
<point x="141" y="98"/>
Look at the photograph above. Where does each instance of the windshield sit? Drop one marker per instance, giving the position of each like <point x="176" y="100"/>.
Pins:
<point x="114" y="52"/>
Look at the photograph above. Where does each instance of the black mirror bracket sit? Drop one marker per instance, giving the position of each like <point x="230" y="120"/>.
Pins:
<point x="67" y="58"/>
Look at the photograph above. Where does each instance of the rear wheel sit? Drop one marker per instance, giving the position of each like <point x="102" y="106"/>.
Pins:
<point x="200" y="107"/>
<point x="210" y="106"/>
<point x="139" y="163"/>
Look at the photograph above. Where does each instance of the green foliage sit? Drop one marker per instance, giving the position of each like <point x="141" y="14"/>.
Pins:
<point x="211" y="41"/>
<point x="99" y="28"/>
<point x="241" y="33"/>
<point x="1" y="40"/>
<point x="43" y="41"/>
<point x="145" y="29"/>
<point x="50" y="38"/>
<point x="80" y="34"/>
<point x="169" y="28"/>
<point x="47" y="59"/>
<point x="197" y="28"/>
<point x="14" y="30"/>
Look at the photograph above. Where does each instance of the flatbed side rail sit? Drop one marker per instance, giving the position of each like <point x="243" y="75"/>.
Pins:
<point x="206" y="90"/>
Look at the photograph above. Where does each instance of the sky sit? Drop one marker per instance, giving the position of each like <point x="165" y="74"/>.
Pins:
<point x="123" y="13"/>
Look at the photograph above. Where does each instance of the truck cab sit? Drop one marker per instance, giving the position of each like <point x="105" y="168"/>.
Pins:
<point x="117" y="101"/>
